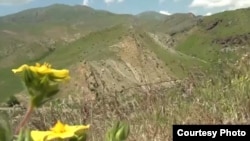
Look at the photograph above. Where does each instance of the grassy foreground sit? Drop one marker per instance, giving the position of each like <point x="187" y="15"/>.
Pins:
<point x="219" y="98"/>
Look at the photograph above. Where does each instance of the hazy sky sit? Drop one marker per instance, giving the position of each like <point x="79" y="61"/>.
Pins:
<point x="198" y="7"/>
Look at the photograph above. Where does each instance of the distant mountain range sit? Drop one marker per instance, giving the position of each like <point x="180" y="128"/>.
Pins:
<point x="115" y="52"/>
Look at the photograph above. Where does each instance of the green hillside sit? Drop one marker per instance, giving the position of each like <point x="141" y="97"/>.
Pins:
<point x="217" y="33"/>
<point x="176" y="23"/>
<point x="42" y="34"/>
<point x="52" y="34"/>
<point x="94" y="46"/>
<point x="38" y="31"/>
<point x="68" y="18"/>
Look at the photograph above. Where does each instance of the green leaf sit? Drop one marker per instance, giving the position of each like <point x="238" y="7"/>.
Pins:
<point x="110" y="134"/>
<point x="83" y="137"/>
<point x="118" y="132"/>
<point x="20" y="136"/>
<point x="5" y="128"/>
<point x="122" y="132"/>
<point x="27" y="135"/>
<point x="24" y="135"/>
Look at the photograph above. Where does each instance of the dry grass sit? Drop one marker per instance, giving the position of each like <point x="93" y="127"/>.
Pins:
<point x="221" y="98"/>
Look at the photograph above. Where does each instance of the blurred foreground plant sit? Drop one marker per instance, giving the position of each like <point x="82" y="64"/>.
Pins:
<point x="5" y="128"/>
<point x="42" y="83"/>
<point x="119" y="132"/>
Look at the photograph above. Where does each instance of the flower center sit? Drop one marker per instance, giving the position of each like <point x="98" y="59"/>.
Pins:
<point x="58" y="128"/>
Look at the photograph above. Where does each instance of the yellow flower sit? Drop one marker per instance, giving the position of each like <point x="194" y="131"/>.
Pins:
<point x="45" y="69"/>
<point x="59" y="131"/>
<point x="41" y="81"/>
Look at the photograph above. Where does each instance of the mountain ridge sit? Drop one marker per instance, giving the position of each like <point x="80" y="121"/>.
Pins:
<point x="53" y="35"/>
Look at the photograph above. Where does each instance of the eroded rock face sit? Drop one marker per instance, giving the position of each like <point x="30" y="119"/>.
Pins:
<point x="236" y="40"/>
<point x="135" y="70"/>
<point x="213" y="24"/>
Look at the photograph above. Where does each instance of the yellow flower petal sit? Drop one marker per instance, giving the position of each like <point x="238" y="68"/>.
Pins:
<point x="39" y="135"/>
<point x="20" y="69"/>
<point x="64" y="135"/>
<point x="60" y="73"/>
<point x="45" y="69"/>
<point x="76" y="129"/>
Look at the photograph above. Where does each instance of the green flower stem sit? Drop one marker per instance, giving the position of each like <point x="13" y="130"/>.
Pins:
<point x="25" y="119"/>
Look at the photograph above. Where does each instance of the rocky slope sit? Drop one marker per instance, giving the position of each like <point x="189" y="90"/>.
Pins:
<point x="135" y="69"/>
